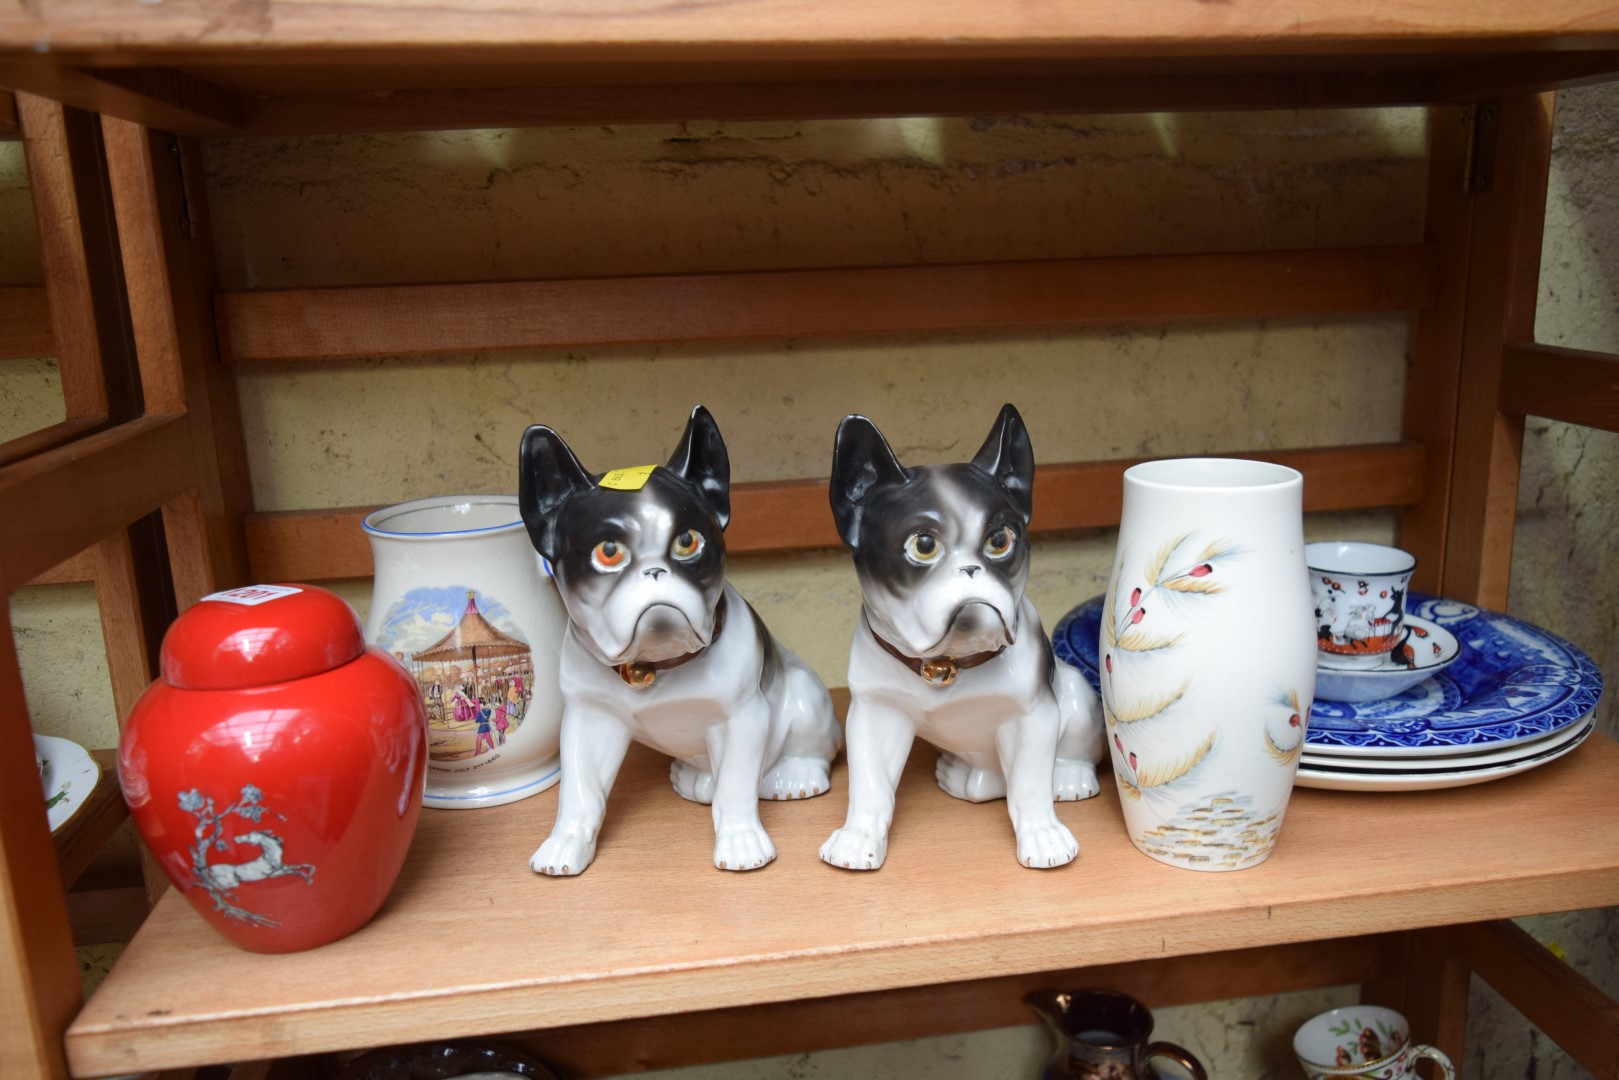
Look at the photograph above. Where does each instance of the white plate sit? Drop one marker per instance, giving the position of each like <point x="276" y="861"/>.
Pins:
<point x="69" y="776"/>
<point x="1461" y="759"/>
<point x="1432" y="779"/>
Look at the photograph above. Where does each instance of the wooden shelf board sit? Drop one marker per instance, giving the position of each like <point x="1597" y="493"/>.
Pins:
<point x="471" y="942"/>
<point x="792" y="515"/>
<point x="352" y="29"/>
<point x="351" y="66"/>
<point x="103" y="811"/>
<point x="402" y="320"/>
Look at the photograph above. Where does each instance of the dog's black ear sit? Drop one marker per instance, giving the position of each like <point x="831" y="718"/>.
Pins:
<point x="862" y="464"/>
<point x="1008" y="456"/>
<point x="548" y="474"/>
<point x="701" y="459"/>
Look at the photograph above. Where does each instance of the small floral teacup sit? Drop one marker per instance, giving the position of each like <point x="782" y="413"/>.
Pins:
<point x="1359" y="591"/>
<point x="1363" y="1042"/>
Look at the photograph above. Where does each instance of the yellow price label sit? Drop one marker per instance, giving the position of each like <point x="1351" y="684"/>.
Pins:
<point x="631" y="479"/>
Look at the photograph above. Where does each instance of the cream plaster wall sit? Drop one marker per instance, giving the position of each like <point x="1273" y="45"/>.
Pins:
<point x="704" y="196"/>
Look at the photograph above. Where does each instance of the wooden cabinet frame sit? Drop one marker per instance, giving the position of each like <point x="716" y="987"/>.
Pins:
<point x="143" y="488"/>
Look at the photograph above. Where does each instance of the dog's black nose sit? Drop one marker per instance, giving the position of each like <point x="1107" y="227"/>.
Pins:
<point x="970" y="570"/>
<point x="653" y="572"/>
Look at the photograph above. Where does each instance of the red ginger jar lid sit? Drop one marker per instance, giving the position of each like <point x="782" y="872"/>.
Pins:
<point x="259" y="635"/>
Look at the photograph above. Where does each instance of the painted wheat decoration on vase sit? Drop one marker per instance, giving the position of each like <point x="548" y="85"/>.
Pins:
<point x="1207" y="657"/>
<point x="1170" y="573"/>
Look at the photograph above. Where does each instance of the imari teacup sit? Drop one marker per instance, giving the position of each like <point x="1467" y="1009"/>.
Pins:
<point x="1363" y="1042"/>
<point x="1359" y="592"/>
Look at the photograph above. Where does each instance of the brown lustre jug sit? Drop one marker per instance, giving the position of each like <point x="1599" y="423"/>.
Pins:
<point x="1102" y="1035"/>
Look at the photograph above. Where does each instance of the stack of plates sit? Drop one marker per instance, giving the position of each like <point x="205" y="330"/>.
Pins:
<point x="1514" y="698"/>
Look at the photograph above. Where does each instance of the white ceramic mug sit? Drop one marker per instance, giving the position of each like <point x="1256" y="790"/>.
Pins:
<point x="1208" y="657"/>
<point x="462" y="599"/>
<point x="1363" y="1042"/>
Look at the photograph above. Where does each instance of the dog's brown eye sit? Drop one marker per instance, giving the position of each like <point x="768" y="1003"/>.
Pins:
<point x="688" y="545"/>
<point x="998" y="545"/>
<point x="609" y="556"/>
<point x="923" y="548"/>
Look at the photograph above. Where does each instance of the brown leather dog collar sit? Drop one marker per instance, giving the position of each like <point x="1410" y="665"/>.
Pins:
<point x="938" y="670"/>
<point x="642" y="673"/>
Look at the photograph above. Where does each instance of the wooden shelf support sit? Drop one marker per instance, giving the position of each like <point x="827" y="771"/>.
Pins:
<point x="1572" y="1011"/>
<point x="25" y="323"/>
<point x="1575" y="386"/>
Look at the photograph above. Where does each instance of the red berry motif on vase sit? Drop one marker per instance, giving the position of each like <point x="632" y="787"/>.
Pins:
<point x="1158" y="761"/>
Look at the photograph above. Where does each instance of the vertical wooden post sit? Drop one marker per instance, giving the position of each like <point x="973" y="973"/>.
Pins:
<point x="95" y="355"/>
<point x="1429" y="987"/>
<point x="168" y="255"/>
<point x="39" y="975"/>
<point x="1502" y="284"/>
<point x="1436" y="345"/>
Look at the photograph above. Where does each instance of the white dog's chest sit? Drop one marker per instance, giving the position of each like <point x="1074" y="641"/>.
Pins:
<point x="967" y="724"/>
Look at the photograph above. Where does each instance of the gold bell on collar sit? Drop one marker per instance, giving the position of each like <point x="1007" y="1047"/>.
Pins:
<point x="939" y="672"/>
<point x="639" y="675"/>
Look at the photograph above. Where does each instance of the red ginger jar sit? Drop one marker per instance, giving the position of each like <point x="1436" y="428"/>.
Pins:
<point x="276" y="768"/>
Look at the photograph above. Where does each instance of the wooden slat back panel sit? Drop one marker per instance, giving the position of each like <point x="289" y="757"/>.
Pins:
<point x="420" y="319"/>
<point x="319" y="545"/>
<point x="1575" y="386"/>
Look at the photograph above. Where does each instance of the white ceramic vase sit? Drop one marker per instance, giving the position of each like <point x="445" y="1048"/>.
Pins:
<point x="1208" y="658"/>
<point x="462" y="599"/>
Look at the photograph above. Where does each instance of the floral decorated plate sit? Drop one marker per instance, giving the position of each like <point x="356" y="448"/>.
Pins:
<point x="1428" y="648"/>
<point x="1352" y="777"/>
<point x="68" y="774"/>
<point x="1511" y="684"/>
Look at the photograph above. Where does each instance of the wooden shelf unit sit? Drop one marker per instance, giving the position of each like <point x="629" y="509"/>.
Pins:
<point x="145" y="346"/>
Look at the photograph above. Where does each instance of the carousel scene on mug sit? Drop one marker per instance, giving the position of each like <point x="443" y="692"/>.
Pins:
<point x="475" y="672"/>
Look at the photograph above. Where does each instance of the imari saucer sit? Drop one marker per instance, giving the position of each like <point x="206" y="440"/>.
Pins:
<point x="1426" y="649"/>
<point x="1512" y="683"/>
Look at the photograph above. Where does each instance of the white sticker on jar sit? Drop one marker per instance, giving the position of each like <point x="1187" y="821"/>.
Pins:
<point x="253" y="595"/>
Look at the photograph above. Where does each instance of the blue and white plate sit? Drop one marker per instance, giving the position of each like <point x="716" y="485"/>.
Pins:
<point x="1512" y="683"/>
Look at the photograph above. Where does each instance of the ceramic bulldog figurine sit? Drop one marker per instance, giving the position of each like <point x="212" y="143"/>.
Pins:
<point x="662" y="650"/>
<point x="949" y="648"/>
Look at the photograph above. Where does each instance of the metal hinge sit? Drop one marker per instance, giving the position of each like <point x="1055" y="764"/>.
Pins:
<point x="1478" y="171"/>
<point x="188" y="220"/>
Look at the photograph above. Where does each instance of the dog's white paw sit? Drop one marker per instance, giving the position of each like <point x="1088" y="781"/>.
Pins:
<point x="795" y="778"/>
<point x="691" y="783"/>
<point x="1072" y="780"/>
<point x="742" y="847"/>
<point x="961" y="781"/>
<point x="855" y="849"/>
<point x="563" y="856"/>
<point x="1045" y="845"/>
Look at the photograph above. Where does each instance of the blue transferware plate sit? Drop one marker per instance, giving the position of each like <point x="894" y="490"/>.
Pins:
<point x="1513" y="682"/>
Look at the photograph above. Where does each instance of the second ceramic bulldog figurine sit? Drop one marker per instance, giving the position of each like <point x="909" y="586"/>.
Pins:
<point x="662" y="650"/>
<point x="949" y="648"/>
